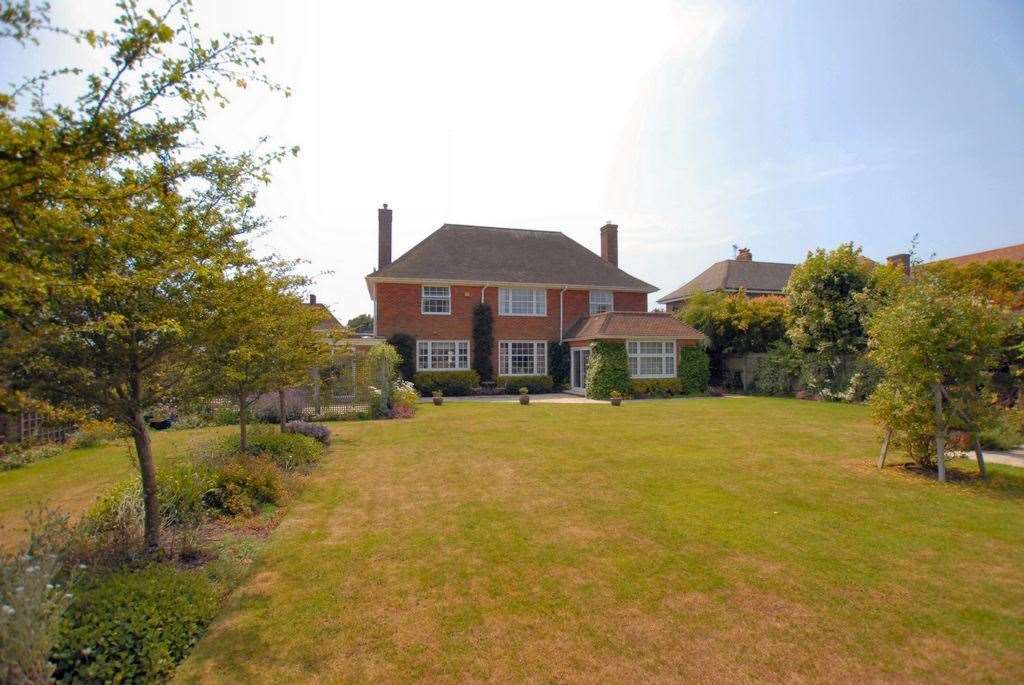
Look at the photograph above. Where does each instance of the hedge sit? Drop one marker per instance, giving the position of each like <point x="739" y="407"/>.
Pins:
<point x="607" y="370"/>
<point x="450" y="383"/>
<point x="535" y="384"/>
<point x="694" y="370"/>
<point x="656" y="387"/>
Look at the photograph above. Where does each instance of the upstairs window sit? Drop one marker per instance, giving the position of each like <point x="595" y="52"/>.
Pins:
<point x="600" y="301"/>
<point x="436" y="299"/>
<point x="651" y="358"/>
<point x="522" y="358"/>
<point x="442" y="355"/>
<point x="522" y="302"/>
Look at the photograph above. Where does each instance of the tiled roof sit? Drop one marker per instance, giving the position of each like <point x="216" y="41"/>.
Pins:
<point x="482" y="254"/>
<point x="327" y="322"/>
<point x="732" y="274"/>
<point x="617" y="325"/>
<point x="1011" y="252"/>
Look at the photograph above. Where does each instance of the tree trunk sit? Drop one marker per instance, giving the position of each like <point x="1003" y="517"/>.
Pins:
<point x="280" y="408"/>
<point x="243" y="410"/>
<point x="940" y="435"/>
<point x="885" y="447"/>
<point x="981" y="457"/>
<point x="148" y="471"/>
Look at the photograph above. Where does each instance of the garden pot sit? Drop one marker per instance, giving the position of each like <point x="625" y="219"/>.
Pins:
<point x="524" y="399"/>
<point x="616" y="401"/>
<point x="438" y="401"/>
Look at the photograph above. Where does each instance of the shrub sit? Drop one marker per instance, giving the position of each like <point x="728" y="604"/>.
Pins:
<point x="133" y="626"/>
<point x="225" y="416"/>
<point x="286" y="450"/>
<point x="558" y="363"/>
<point x="694" y="370"/>
<point x="32" y="599"/>
<point x="1003" y="434"/>
<point x="402" y="412"/>
<point x="779" y="371"/>
<point x="406" y="346"/>
<point x="270" y="413"/>
<point x="535" y="384"/>
<point x="655" y="387"/>
<point x="23" y="456"/>
<point x="607" y="370"/>
<point x="317" y="431"/>
<point x="451" y="383"/>
<point x="404" y="395"/>
<point x="243" y="484"/>
<point x="94" y="433"/>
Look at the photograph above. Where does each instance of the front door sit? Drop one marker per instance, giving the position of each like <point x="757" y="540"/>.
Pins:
<point x="580" y="357"/>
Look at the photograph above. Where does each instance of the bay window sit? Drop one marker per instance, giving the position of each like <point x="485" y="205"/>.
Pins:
<point x="442" y="355"/>
<point x="651" y="358"/>
<point x="522" y="302"/>
<point x="522" y="358"/>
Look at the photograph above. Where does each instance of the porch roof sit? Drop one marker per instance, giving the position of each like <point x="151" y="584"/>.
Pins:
<point x="621" y="325"/>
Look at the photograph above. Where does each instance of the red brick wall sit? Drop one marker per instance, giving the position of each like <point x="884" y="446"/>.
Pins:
<point x="398" y="311"/>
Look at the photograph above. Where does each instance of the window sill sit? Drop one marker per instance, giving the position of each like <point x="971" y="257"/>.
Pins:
<point x="539" y="316"/>
<point x="435" y="313"/>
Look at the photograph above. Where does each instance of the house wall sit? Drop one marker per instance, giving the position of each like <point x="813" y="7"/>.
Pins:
<point x="398" y="309"/>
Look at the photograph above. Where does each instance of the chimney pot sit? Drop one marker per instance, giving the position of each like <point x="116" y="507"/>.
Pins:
<point x="383" y="236"/>
<point x="312" y="298"/>
<point x="744" y="255"/>
<point x="610" y="243"/>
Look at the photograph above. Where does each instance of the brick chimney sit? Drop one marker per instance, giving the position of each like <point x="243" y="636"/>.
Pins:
<point x="383" y="236"/>
<point x="743" y="255"/>
<point x="610" y="243"/>
<point x="312" y="298"/>
<point x="902" y="261"/>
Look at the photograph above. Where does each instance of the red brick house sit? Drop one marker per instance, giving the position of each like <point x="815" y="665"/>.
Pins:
<point x="542" y="286"/>
<point x="756" y="279"/>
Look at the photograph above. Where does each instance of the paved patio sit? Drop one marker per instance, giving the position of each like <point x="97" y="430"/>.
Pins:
<point x="546" y="398"/>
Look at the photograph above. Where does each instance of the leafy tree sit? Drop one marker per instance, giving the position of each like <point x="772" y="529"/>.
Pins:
<point x="935" y="346"/>
<point x="832" y="295"/>
<point x="735" y="323"/>
<point x="359" y="321"/>
<point x="115" y="219"/>
<point x="559" y="364"/>
<point x="378" y="369"/>
<point x="259" y="338"/>
<point x="483" y="340"/>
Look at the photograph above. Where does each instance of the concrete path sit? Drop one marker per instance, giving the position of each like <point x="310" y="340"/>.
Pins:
<point x="546" y="398"/>
<point x="1011" y="458"/>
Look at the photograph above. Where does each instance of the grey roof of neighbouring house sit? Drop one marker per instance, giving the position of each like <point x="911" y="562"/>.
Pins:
<point x="482" y="254"/>
<point x="733" y="274"/>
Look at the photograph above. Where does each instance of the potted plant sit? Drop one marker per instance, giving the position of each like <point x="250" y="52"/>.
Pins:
<point x="616" y="398"/>
<point x="524" y="395"/>
<point x="438" y="398"/>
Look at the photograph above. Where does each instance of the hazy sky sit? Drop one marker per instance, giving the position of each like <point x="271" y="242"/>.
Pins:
<point x="780" y="126"/>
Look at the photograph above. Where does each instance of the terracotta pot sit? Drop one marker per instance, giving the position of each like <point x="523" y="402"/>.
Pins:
<point x="524" y="399"/>
<point x="438" y="401"/>
<point x="616" y="401"/>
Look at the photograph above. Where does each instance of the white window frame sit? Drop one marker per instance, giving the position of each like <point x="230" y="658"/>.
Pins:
<point x="430" y="356"/>
<point x="634" y="354"/>
<point x="610" y="303"/>
<point x="539" y="296"/>
<point x="505" y="357"/>
<point x="438" y="298"/>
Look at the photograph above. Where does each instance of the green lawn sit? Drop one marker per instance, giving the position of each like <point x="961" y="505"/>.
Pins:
<point x="726" y="539"/>
<point x="72" y="480"/>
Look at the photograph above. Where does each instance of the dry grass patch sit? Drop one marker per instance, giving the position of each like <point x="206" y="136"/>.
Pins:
<point x="739" y="540"/>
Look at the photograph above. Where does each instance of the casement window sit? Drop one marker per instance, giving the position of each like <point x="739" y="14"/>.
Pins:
<point x="442" y="355"/>
<point x="522" y="358"/>
<point x="436" y="299"/>
<point x="522" y="302"/>
<point x="600" y="301"/>
<point x="651" y="358"/>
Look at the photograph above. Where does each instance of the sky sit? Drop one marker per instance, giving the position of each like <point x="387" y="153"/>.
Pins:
<point x="694" y="126"/>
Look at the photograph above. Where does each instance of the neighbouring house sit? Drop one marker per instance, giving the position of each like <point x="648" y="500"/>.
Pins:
<point x="756" y="279"/>
<point x="1013" y="253"/>
<point x="541" y="286"/>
